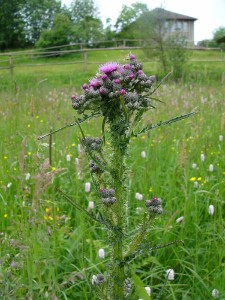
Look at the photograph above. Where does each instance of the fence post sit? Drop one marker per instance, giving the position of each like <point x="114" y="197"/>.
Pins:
<point x="11" y="65"/>
<point x="85" y="61"/>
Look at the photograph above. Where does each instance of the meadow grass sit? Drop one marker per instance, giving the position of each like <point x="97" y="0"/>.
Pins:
<point x="48" y="249"/>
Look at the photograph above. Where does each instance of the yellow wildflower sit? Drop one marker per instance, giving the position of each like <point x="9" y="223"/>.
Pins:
<point x="193" y="179"/>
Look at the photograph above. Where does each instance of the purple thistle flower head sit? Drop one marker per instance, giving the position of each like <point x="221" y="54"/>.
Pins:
<point x="104" y="77"/>
<point x="103" y="91"/>
<point x="122" y="92"/>
<point x="85" y="86"/>
<point x="109" y="67"/>
<point x="95" y="82"/>
<point x="73" y="97"/>
<point x="127" y="67"/>
<point x="131" y="76"/>
<point x="140" y="72"/>
<point x="132" y="56"/>
<point x="154" y="199"/>
<point x="116" y="81"/>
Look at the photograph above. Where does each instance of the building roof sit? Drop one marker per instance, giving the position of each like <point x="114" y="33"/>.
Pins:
<point x="169" y="15"/>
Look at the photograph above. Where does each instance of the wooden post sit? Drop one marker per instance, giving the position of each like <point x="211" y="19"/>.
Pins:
<point x="11" y="65"/>
<point x="50" y="148"/>
<point x="85" y="61"/>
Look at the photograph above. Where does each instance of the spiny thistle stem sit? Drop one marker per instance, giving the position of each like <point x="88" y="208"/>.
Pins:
<point x="118" y="172"/>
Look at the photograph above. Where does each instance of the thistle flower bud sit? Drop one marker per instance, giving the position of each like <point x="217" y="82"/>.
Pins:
<point x="122" y="92"/>
<point x="109" y="200"/>
<point x="94" y="144"/>
<point x="154" y="205"/>
<point x="85" y="86"/>
<point x="94" y="168"/>
<point x="132" y="57"/>
<point x="127" y="286"/>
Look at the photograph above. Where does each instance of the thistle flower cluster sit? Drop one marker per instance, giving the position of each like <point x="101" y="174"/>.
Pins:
<point x="113" y="82"/>
<point x="108" y="196"/>
<point x="94" y="144"/>
<point x="154" y="205"/>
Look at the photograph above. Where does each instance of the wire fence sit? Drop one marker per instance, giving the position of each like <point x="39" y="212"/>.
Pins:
<point x="11" y="60"/>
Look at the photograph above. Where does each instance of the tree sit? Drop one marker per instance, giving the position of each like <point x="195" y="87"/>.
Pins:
<point x="218" y="34"/>
<point x="88" y="30"/>
<point x="83" y="8"/>
<point x="87" y="27"/>
<point x="12" y="33"/>
<point x="177" y="55"/>
<point x="59" y="34"/>
<point x="126" y="23"/>
<point x="153" y="29"/>
<point x="38" y="15"/>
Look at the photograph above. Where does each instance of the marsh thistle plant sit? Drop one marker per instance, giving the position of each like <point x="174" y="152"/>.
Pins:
<point x="120" y="95"/>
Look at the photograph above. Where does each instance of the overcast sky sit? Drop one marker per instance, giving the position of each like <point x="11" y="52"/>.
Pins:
<point x="210" y="13"/>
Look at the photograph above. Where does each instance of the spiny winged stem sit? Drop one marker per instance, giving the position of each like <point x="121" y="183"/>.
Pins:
<point x="119" y="150"/>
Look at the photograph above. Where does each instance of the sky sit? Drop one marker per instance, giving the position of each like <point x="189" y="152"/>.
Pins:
<point x="210" y="13"/>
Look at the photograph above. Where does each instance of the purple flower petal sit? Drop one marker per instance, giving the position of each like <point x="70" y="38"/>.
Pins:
<point x="108" y="68"/>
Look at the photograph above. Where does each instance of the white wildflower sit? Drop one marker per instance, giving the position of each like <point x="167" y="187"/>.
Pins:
<point x="148" y="290"/>
<point x="194" y="166"/>
<point x="211" y="210"/>
<point x="215" y="293"/>
<point x="68" y="158"/>
<point x="27" y="176"/>
<point x="94" y="280"/>
<point x="139" y="210"/>
<point x="202" y="157"/>
<point x="139" y="196"/>
<point x="195" y="184"/>
<point x="170" y="274"/>
<point x="220" y="138"/>
<point x="79" y="148"/>
<point x="87" y="187"/>
<point x="143" y="154"/>
<point x="91" y="204"/>
<point x="211" y="168"/>
<point x="101" y="253"/>
<point x="9" y="184"/>
<point x="180" y="219"/>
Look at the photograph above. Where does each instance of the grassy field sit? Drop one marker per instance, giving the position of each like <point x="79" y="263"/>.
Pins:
<point x="48" y="249"/>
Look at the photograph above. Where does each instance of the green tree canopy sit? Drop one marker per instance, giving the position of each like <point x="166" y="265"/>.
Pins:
<point x="59" y="34"/>
<point x="87" y="26"/>
<point x="128" y="15"/>
<point x="80" y="9"/>
<point x="12" y="33"/>
<point x="38" y="15"/>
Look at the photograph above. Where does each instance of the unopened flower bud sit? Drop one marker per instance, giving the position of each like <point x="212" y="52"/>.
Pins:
<point x="170" y="274"/>
<point x="87" y="187"/>
<point x="101" y="253"/>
